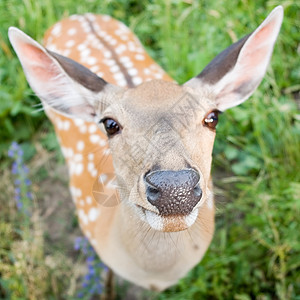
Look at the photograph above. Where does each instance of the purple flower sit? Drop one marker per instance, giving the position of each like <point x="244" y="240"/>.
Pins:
<point x="91" y="270"/>
<point x="20" y="152"/>
<point x="14" y="146"/>
<point x="10" y="153"/>
<point x="14" y="169"/>
<point x="90" y="259"/>
<point x="23" y="195"/>
<point x="91" y="282"/>
<point x="25" y="169"/>
<point x="77" y="243"/>
<point x="87" y="277"/>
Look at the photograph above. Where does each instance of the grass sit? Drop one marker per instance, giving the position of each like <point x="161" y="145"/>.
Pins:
<point x="255" y="253"/>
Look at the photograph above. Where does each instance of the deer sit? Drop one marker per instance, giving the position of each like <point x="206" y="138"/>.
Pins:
<point x="137" y="144"/>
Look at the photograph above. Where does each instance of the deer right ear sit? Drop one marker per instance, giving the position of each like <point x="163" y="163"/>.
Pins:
<point x="237" y="71"/>
<point x="60" y="82"/>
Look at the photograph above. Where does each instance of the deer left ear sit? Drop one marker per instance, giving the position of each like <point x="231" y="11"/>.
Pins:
<point x="60" y="82"/>
<point x="237" y="71"/>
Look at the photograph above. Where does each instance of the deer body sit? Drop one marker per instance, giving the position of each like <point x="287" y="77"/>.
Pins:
<point x="155" y="157"/>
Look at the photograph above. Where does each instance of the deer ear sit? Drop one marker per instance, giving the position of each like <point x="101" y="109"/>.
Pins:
<point x="237" y="71"/>
<point x="59" y="81"/>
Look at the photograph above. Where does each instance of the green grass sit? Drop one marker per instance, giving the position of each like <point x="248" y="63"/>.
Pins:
<point x="255" y="253"/>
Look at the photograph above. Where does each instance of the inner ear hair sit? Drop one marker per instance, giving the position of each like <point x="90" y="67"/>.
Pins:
<point x="79" y="73"/>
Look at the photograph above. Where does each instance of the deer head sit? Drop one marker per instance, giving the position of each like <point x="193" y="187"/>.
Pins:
<point x="161" y="134"/>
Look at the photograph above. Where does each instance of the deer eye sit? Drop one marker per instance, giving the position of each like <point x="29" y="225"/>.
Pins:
<point x="211" y="119"/>
<point x="111" y="126"/>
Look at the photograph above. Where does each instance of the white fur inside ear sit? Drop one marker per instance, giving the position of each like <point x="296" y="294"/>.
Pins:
<point x="240" y="83"/>
<point x="49" y="81"/>
<point x="236" y="72"/>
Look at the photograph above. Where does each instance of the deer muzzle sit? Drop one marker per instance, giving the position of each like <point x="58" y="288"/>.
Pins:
<point x="173" y="192"/>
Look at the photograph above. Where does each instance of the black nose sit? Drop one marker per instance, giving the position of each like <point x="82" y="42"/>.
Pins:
<point x="173" y="192"/>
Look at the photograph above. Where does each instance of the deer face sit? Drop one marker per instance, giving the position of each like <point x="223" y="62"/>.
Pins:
<point x="161" y="150"/>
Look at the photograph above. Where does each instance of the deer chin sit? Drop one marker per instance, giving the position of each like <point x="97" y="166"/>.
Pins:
<point x="172" y="223"/>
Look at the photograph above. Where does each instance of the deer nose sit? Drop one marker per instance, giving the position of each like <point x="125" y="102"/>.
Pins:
<point x="173" y="192"/>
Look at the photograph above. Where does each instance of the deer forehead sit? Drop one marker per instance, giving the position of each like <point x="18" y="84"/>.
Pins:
<point x="158" y="101"/>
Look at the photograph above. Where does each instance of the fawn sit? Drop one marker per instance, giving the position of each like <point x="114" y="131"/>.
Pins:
<point x="138" y="145"/>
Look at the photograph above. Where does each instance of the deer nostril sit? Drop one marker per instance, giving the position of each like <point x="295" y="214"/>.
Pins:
<point x="152" y="193"/>
<point x="197" y="191"/>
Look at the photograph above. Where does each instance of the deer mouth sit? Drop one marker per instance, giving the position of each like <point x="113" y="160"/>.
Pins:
<point x="169" y="223"/>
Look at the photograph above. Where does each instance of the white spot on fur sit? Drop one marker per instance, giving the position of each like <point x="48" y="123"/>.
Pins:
<point x="147" y="71"/>
<point x="91" y="60"/>
<point x="91" y="166"/>
<point x="137" y="80"/>
<point x="139" y="57"/>
<point x="94" y="69"/>
<point x="82" y="216"/>
<point x="76" y="192"/>
<point x="122" y="82"/>
<point x="132" y="71"/>
<point x="66" y="125"/>
<point x="88" y="200"/>
<point x="83" y="129"/>
<point x="80" y="145"/>
<point x="110" y="62"/>
<point x="102" y="143"/>
<point x="124" y="59"/>
<point x="78" y="169"/>
<point x="120" y="49"/>
<point x="85" y="53"/>
<point x="70" y="43"/>
<point x="114" y="69"/>
<point x="92" y="128"/>
<point x="128" y="64"/>
<point x="119" y="76"/>
<point x="72" y="31"/>
<point x="81" y="47"/>
<point x="78" y="122"/>
<point x="94" y="138"/>
<point x="107" y="54"/>
<point x="66" y="52"/>
<point x="93" y="214"/>
<point x="56" y="29"/>
<point x="158" y="76"/>
<point x="78" y="157"/>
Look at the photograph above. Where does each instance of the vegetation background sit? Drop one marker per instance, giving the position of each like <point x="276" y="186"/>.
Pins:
<point x="255" y="253"/>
